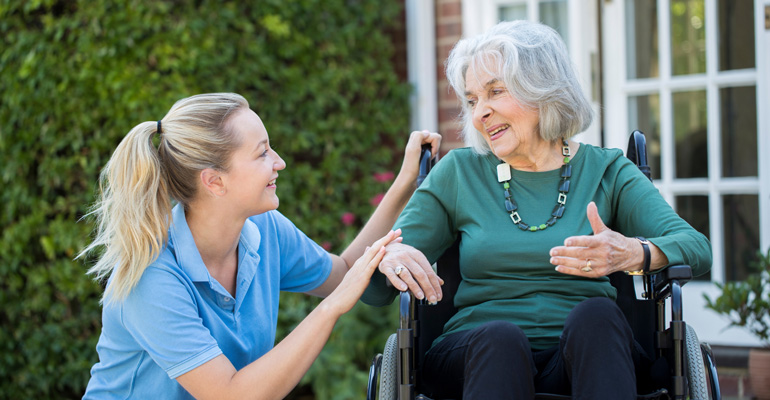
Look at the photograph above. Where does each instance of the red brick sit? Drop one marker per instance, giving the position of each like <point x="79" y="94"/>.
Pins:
<point x="453" y="8"/>
<point x="453" y="29"/>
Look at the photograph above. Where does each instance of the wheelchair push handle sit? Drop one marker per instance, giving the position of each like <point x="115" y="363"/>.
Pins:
<point x="637" y="152"/>
<point x="426" y="163"/>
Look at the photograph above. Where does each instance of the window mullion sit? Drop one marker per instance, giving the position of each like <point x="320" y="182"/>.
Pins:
<point x="713" y="123"/>
<point x="762" y="43"/>
<point x="666" y="114"/>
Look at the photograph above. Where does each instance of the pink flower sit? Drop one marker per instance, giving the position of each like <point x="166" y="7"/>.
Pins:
<point x="348" y="218"/>
<point x="375" y="201"/>
<point x="327" y="246"/>
<point x="382" y="177"/>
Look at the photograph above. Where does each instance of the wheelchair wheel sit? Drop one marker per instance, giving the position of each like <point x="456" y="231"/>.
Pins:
<point x="697" y="383"/>
<point x="388" y="372"/>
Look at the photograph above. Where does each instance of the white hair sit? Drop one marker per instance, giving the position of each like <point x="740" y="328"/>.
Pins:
<point x="532" y="61"/>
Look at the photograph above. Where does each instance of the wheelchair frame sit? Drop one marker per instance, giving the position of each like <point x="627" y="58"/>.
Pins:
<point x="665" y="342"/>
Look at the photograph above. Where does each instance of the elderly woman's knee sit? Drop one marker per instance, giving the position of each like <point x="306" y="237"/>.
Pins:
<point x="500" y="334"/>
<point x="596" y="316"/>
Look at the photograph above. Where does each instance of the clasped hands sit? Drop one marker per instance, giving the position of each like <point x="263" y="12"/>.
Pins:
<point x="600" y="254"/>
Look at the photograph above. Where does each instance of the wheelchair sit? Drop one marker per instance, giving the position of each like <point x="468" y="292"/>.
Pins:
<point x="682" y="367"/>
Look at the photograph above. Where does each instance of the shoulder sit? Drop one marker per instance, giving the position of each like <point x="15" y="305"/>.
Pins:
<point x="463" y="161"/>
<point x="273" y="230"/>
<point x="604" y="161"/>
<point x="601" y="154"/>
<point x="163" y="276"/>
<point x="463" y="154"/>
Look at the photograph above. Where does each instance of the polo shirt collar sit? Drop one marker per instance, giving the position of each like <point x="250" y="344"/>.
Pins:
<point x="187" y="255"/>
<point x="189" y="258"/>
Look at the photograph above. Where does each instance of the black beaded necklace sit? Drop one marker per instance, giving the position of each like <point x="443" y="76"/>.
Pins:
<point x="504" y="177"/>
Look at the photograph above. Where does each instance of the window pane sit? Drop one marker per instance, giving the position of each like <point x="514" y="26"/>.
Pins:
<point x="691" y="146"/>
<point x="644" y="115"/>
<point x="741" y="227"/>
<point x="688" y="37"/>
<point x="695" y="210"/>
<point x="736" y="34"/>
<point x="513" y="13"/>
<point x="738" y="107"/>
<point x="642" y="39"/>
<point x="554" y="14"/>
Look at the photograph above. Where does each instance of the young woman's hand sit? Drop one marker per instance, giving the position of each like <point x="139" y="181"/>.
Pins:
<point x="410" y="166"/>
<point x="345" y="296"/>
<point x="414" y="272"/>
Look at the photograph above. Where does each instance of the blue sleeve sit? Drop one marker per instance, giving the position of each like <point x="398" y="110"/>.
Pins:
<point x="304" y="264"/>
<point x="161" y="315"/>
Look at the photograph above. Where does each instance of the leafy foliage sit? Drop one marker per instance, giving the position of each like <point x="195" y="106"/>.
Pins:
<point x="747" y="303"/>
<point x="75" y="76"/>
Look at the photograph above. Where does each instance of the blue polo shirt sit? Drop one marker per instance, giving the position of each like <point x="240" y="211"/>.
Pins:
<point x="178" y="317"/>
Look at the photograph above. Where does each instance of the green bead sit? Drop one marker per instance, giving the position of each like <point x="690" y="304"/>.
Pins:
<point x="542" y="226"/>
<point x="566" y="160"/>
<point x="506" y="185"/>
<point x="533" y="228"/>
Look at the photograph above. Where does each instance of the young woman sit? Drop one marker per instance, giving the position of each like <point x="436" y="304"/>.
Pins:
<point x="191" y="304"/>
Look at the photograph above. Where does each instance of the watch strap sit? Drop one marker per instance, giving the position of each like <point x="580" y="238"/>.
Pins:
<point x="646" y="263"/>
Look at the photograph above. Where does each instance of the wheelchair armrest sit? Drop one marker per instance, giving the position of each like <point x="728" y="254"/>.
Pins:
<point x="662" y="281"/>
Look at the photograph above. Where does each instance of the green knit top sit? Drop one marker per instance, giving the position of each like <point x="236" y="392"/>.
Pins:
<point x="506" y="273"/>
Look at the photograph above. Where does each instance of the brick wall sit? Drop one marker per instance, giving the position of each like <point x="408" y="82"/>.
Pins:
<point x="448" y="32"/>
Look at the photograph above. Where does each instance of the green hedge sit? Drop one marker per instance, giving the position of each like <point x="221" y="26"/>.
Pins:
<point x="75" y="76"/>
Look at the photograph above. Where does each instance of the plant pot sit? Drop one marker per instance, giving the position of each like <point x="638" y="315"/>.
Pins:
<point x="759" y="372"/>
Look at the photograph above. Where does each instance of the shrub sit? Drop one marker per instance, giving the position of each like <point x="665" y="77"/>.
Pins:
<point x="76" y="76"/>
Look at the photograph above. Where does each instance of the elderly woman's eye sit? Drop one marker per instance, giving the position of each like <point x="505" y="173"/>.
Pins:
<point x="471" y="103"/>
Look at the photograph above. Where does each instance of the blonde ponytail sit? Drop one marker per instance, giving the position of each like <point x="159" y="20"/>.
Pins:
<point x="133" y="211"/>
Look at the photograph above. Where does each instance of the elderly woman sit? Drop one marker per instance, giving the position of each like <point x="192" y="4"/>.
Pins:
<point x="191" y="306"/>
<point x="542" y="220"/>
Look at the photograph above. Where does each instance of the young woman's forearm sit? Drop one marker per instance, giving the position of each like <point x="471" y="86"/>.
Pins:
<point x="383" y="218"/>
<point x="273" y="375"/>
<point x="281" y="369"/>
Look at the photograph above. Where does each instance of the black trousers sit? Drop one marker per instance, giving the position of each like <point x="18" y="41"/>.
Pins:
<point x="594" y="359"/>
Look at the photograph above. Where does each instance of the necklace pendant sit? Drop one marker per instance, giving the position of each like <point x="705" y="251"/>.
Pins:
<point x="503" y="172"/>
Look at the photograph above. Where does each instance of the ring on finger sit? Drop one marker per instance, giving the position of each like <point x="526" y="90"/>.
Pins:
<point x="587" y="268"/>
<point x="399" y="269"/>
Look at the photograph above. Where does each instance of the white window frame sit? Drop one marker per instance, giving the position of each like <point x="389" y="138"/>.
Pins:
<point x="421" y="64"/>
<point x="710" y="327"/>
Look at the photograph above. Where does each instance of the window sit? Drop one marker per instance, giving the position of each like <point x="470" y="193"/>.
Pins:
<point x="685" y="73"/>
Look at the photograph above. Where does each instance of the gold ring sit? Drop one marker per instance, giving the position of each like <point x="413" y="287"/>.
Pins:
<point x="399" y="269"/>
<point x="587" y="268"/>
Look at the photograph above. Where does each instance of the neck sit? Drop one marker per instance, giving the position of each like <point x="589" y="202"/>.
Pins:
<point x="543" y="156"/>
<point x="216" y="235"/>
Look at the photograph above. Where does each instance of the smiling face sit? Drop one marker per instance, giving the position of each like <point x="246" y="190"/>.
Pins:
<point x="509" y="127"/>
<point x="251" y="177"/>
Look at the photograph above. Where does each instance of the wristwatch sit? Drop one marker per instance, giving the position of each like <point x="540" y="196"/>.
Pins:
<point x="646" y="264"/>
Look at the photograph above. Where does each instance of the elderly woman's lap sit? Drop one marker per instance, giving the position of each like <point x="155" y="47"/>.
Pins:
<point x="594" y="359"/>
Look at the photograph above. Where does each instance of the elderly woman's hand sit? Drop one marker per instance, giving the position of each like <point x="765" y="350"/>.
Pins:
<point x="407" y="268"/>
<point x="409" y="167"/>
<point x="600" y="254"/>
